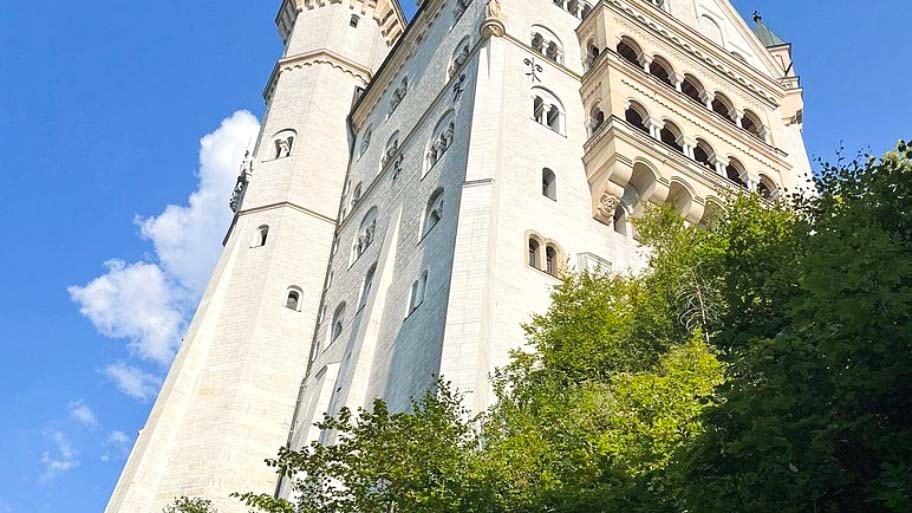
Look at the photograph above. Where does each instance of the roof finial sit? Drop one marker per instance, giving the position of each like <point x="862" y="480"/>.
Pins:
<point x="757" y="17"/>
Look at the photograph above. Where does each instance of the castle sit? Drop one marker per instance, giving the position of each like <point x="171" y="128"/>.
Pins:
<point x="417" y="189"/>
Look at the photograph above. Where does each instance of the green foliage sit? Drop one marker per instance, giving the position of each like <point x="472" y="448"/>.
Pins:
<point x="815" y="415"/>
<point x="381" y="462"/>
<point x="762" y="363"/>
<point x="190" y="505"/>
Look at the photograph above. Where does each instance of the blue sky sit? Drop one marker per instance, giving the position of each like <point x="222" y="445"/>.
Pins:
<point x="103" y="105"/>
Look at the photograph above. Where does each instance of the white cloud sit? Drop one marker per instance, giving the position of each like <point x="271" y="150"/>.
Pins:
<point x="149" y="303"/>
<point x="136" y="302"/>
<point x="133" y="381"/>
<point x="117" y="444"/>
<point x="82" y="413"/>
<point x="188" y="238"/>
<point x="61" y="458"/>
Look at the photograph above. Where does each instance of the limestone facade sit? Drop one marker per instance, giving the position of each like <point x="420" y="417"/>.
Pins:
<point x="421" y="187"/>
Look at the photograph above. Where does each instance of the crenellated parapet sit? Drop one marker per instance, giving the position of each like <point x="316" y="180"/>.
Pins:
<point x="386" y="13"/>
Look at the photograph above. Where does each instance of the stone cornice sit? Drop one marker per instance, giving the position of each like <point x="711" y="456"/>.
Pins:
<point x="387" y="13"/>
<point x="700" y="48"/>
<point x="403" y="50"/>
<point x="311" y="58"/>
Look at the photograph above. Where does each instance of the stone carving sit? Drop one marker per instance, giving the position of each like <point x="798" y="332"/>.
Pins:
<point x="493" y="24"/>
<point x="459" y="87"/>
<point x="493" y="10"/>
<point x="237" y="195"/>
<point x="607" y="205"/>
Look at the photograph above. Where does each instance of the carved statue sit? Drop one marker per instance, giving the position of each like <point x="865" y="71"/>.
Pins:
<point x="493" y="10"/>
<point x="447" y="136"/>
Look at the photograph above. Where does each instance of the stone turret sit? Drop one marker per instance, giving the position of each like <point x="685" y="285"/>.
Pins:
<point x="229" y="398"/>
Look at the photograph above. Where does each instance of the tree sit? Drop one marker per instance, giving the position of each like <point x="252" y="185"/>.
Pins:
<point x="382" y="462"/>
<point x="190" y="505"/>
<point x="815" y="413"/>
<point x="760" y="363"/>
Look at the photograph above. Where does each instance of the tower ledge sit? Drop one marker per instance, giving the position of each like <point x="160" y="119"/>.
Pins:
<point x="387" y="13"/>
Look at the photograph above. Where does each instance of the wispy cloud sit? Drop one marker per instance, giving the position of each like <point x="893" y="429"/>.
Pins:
<point x="133" y="381"/>
<point x="116" y="445"/>
<point x="61" y="458"/>
<point x="148" y="303"/>
<point x="82" y="413"/>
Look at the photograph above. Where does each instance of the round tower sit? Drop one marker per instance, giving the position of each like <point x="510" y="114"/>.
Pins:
<point x="229" y="398"/>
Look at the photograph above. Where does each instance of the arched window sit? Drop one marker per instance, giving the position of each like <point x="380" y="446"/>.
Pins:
<point x="460" y="57"/>
<point x="547" y="110"/>
<point x="549" y="184"/>
<point x="391" y="151"/>
<point x="552" y="265"/>
<point x="693" y="89"/>
<point x="293" y="300"/>
<point x="260" y="236"/>
<point x="398" y="95"/>
<point x="723" y="106"/>
<point x="660" y="69"/>
<point x="554" y="118"/>
<point x="586" y="10"/>
<point x="534" y="253"/>
<point x="356" y="195"/>
<point x="338" y="321"/>
<point x="738" y="56"/>
<point x="546" y="42"/>
<point x="751" y="123"/>
<point x="629" y="50"/>
<point x="366" y="287"/>
<point x="703" y="153"/>
<point x="767" y="189"/>
<point x="538" y="42"/>
<point x="592" y="53"/>
<point x="433" y="214"/>
<point x="353" y="21"/>
<point x="596" y="119"/>
<point x="636" y="115"/>
<point x="416" y="295"/>
<point x="441" y="139"/>
<point x="671" y="135"/>
<point x="283" y="142"/>
<point x="619" y="220"/>
<point x="367" y="232"/>
<point x="553" y="52"/>
<point x="735" y="172"/>
<point x="661" y="4"/>
<point x="366" y="140"/>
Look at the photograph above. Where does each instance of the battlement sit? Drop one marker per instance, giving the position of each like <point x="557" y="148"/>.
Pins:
<point x="387" y="13"/>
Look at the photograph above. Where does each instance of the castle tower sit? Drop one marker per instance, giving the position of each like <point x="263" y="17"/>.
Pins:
<point x="230" y="396"/>
<point x="498" y="143"/>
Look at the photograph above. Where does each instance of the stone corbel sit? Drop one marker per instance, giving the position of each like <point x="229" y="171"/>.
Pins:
<point x="494" y="22"/>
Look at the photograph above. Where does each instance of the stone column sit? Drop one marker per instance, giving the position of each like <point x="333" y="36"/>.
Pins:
<point x="646" y="61"/>
<point x="655" y="128"/>
<point x="678" y="80"/>
<point x="707" y="98"/>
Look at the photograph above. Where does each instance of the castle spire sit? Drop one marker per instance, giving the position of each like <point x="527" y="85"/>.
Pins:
<point x="766" y="34"/>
